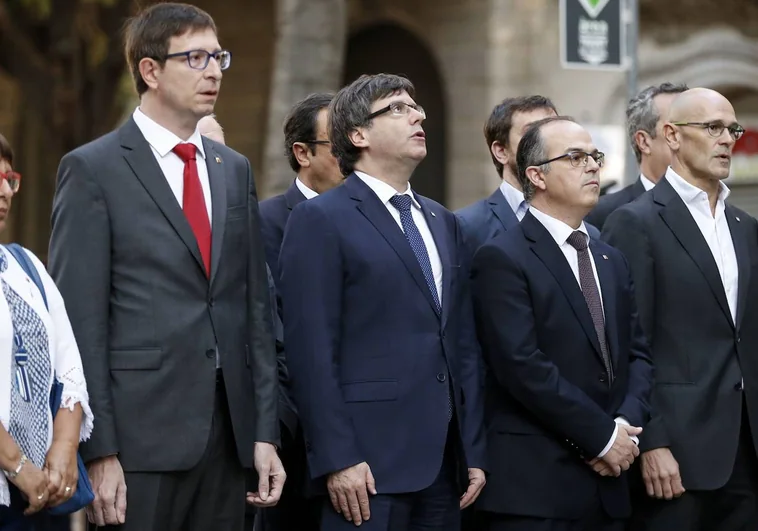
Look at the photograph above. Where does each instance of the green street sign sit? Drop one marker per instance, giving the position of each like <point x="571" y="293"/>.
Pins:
<point x="593" y="34"/>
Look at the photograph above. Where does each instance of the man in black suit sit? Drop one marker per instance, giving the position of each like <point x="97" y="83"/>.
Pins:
<point x="645" y="116"/>
<point x="506" y="206"/>
<point x="156" y="248"/>
<point x="693" y="260"/>
<point x="306" y="143"/>
<point x="569" y="373"/>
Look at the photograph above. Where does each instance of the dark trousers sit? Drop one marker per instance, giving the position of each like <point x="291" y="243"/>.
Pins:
<point x="210" y="496"/>
<point x="12" y="518"/>
<point x="435" y="508"/>
<point x="733" y="507"/>
<point x="595" y="520"/>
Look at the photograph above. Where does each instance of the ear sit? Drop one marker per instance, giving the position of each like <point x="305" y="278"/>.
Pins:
<point x="642" y="140"/>
<point x="672" y="134"/>
<point x="300" y="151"/>
<point x="500" y="153"/>
<point x="150" y="71"/>
<point x="537" y="178"/>
<point x="359" y="138"/>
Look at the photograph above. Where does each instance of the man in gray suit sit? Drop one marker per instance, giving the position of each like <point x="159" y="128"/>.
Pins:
<point x="156" y="248"/>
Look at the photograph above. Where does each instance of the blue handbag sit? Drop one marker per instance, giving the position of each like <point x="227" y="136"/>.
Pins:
<point x="84" y="495"/>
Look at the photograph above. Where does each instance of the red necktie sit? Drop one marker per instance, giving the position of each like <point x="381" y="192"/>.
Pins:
<point x="193" y="202"/>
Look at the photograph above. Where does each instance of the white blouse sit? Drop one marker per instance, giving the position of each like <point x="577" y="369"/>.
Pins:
<point x="65" y="361"/>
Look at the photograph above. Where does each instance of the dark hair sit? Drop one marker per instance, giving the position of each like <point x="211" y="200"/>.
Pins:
<point x="642" y="115"/>
<point x="6" y="151"/>
<point x="500" y="122"/>
<point x="531" y="152"/>
<point x="350" y="108"/>
<point x="149" y="34"/>
<point x="300" y="123"/>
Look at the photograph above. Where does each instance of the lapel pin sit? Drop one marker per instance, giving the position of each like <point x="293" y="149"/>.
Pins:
<point x="218" y="160"/>
<point x="736" y="218"/>
<point x="433" y="214"/>
<point x="605" y="257"/>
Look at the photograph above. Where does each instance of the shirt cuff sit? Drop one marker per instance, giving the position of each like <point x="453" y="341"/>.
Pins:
<point x="610" y="442"/>
<point x="622" y="420"/>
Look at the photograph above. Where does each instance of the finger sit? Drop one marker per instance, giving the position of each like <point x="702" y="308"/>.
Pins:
<point x="90" y="515"/>
<point x="617" y="470"/>
<point x="277" y="487"/>
<point x="370" y="482"/>
<point x="668" y="492"/>
<point x="100" y="517"/>
<point x="468" y="497"/>
<point x="636" y="450"/>
<point x="649" y="486"/>
<point x="263" y="481"/>
<point x="335" y="501"/>
<point x="121" y="502"/>
<point x="344" y="509"/>
<point x="109" y="511"/>
<point x="363" y="504"/>
<point x="657" y="487"/>
<point x="677" y="487"/>
<point x="633" y="430"/>
<point x="355" y="508"/>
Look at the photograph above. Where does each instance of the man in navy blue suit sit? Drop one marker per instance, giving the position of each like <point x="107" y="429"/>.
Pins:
<point x="306" y="143"/>
<point x="569" y="371"/>
<point x="379" y="328"/>
<point x="506" y="206"/>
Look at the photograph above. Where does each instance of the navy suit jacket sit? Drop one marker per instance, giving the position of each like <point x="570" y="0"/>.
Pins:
<point x="275" y="212"/>
<point x="370" y="358"/>
<point x="485" y="219"/>
<point x="549" y="405"/>
<point x="610" y="202"/>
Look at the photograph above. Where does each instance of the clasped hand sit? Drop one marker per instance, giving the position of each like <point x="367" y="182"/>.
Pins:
<point x="621" y="454"/>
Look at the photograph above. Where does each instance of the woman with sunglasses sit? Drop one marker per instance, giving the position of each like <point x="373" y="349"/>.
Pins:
<point x="38" y="447"/>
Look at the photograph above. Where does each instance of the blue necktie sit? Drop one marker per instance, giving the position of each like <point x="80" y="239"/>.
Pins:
<point x="412" y="234"/>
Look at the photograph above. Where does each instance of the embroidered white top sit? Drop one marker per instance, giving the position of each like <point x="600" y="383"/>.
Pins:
<point x="22" y="298"/>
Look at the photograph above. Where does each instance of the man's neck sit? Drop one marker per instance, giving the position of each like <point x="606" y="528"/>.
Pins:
<point x="305" y="178"/>
<point x="183" y="127"/>
<point x="650" y="173"/>
<point x="570" y="216"/>
<point x="393" y="175"/>
<point x="511" y="179"/>
<point x="712" y="187"/>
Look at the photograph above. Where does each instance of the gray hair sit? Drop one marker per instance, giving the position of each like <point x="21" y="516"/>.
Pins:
<point x="531" y="152"/>
<point x="350" y="108"/>
<point x="642" y="115"/>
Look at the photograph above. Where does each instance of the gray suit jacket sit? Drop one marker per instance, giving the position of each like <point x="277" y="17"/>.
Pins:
<point x="147" y="319"/>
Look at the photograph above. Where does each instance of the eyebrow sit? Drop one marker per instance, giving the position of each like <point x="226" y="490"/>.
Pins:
<point x="569" y="150"/>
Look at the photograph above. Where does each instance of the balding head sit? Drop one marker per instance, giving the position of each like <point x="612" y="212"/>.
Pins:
<point x="209" y="127"/>
<point x="701" y="132"/>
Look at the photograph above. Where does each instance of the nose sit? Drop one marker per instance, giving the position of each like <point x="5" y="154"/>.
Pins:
<point x="592" y="165"/>
<point x="6" y="192"/>
<point x="213" y="70"/>
<point x="416" y="116"/>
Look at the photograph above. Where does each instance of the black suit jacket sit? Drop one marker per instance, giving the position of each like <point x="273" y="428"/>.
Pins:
<point x="549" y="405"/>
<point x="275" y="212"/>
<point x="610" y="202"/>
<point x="700" y="354"/>
<point x="146" y="317"/>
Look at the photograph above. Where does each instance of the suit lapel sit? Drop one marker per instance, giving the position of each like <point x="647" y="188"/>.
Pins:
<point x="605" y="274"/>
<point x="372" y="208"/>
<point x="293" y="196"/>
<point x="678" y="218"/>
<point x="216" y="177"/>
<point x="552" y="257"/>
<point x="636" y="190"/>
<point x="437" y="227"/>
<point x="139" y="156"/>
<point x="502" y="210"/>
<point x="740" y="241"/>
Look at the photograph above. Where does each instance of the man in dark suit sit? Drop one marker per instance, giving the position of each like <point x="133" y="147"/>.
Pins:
<point x="157" y="251"/>
<point x="645" y="116"/>
<point x="379" y="330"/>
<point x="306" y="143"/>
<point x="569" y="374"/>
<point x="506" y="206"/>
<point x="693" y="260"/>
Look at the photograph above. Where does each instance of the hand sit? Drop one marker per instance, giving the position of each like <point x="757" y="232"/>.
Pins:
<point x="32" y="482"/>
<point x="621" y="455"/>
<point x="601" y="467"/>
<point x="62" y="471"/>
<point x="271" y="476"/>
<point x="660" y="471"/>
<point x="349" y="489"/>
<point x="476" y="482"/>
<point x="107" y="477"/>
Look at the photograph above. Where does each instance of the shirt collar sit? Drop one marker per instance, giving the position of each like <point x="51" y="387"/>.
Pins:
<point x="384" y="191"/>
<point x="304" y="189"/>
<point x="691" y="193"/>
<point x="161" y="139"/>
<point x="513" y="196"/>
<point x="557" y="229"/>
<point x="647" y="184"/>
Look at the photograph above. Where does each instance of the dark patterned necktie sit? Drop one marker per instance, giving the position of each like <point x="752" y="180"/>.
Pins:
<point x="578" y="240"/>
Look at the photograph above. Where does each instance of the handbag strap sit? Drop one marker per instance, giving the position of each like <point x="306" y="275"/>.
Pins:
<point x="27" y="265"/>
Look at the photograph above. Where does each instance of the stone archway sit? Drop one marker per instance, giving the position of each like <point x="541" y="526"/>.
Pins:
<point x="392" y="49"/>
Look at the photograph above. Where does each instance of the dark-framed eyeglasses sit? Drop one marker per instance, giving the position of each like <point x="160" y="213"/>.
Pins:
<point x="13" y="178"/>
<point x="716" y="129"/>
<point x="579" y="159"/>
<point x="398" y="108"/>
<point x="317" y="142"/>
<point x="199" y="59"/>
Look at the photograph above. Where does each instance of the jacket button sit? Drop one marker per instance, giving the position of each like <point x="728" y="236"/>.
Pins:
<point x="602" y="378"/>
<point x="210" y="353"/>
<point x="210" y="302"/>
<point x="738" y="386"/>
<point x="441" y="377"/>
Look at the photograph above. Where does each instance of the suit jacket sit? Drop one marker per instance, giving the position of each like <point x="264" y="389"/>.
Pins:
<point x="700" y="354"/>
<point x="610" y="202"/>
<point x="275" y="212"/>
<point x="147" y="319"/>
<point x="549" y="405"/>
<point x="371" y="360"/>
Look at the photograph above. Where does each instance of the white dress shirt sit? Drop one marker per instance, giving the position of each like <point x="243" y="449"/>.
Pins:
<point x="65" y="360"/>
<point x="307" y="192"/>
<point x="162" y="142"/>
<point x="515" y="199"/>
<point x="715" y="231"/>
<point x="385" y="192"/>
<point x="647" y="184"/>
<point x="560" y="233"/>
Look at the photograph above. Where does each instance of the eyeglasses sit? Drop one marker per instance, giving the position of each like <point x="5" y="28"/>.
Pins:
<point x="319" y="142"/>
<point x="716" y="129"/>
<point x="199" y="59"/>
<point x="579" y="158"/>
<point x="13" y="178"/>
<point x="398" y="108"/>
